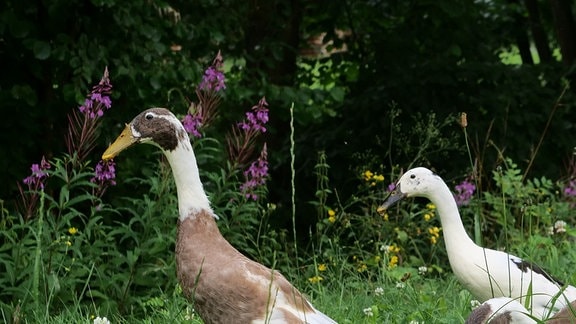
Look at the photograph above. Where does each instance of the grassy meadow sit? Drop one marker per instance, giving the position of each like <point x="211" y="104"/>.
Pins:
<point x="92" y="240"/>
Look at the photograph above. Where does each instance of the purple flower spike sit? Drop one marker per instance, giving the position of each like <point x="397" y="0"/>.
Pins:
<point x="257" y="118"/>
<point x="192" y="124"/>
<point x="36" y="179"/>
<point x="464" y="192"/>
<point x="213" y="79"/>
<point x="104" y="173"/>
<point x="570" y="189"/>
<point x="98" y="100"/>
<point x="256" y="175"/>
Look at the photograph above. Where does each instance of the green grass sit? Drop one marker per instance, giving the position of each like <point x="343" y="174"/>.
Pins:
<point x="429" y="300"/>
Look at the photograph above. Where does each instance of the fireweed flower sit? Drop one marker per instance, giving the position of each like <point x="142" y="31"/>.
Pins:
<point x="257" y="118"/>
<point x="38" y="176"/>
<point x="98" y="100"/>
<point x="464" y="192"/>
<point x="104" y="173"/>
<point x="570" y="189"/>
<point x="213" y="79"/>
<point x="192" y="124"/>
<point x="208" y="93"/>
<point x="255" y="175"/>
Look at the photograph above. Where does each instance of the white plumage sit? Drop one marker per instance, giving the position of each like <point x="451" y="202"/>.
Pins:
<point x="225" y="286"/>
<point x="484" y="272"/>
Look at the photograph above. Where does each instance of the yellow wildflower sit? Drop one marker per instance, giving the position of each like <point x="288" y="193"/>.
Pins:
<point x="435" y="231"/>
<point x="72" y="230"/>
<point x="331" y="219"/>
<point x="379" y="177"/>
<point x="368" y="175"/>
<point x="431" y="206"/>
<point x="331" y="212"/>
<point x="434" y="234"/>
<point x="315" y="279"/>
<point x="362" y="267"/>
<point x="68" y="243"/>
<point x="385" y="216"/>
<point x="322" y="267"/>
<point x="427" y="216"/>
<point x="393" y="261"/>
<point x="393" y="249"/>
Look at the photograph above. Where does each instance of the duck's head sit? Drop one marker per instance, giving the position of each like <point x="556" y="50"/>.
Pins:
<point x="156" y="126"/>
<point x="417" y="182"/>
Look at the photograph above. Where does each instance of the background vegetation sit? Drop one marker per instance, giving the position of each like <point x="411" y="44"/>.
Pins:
<point x="376" y="86"/>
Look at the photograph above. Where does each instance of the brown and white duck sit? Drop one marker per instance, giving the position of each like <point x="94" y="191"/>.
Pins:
<point x="224" y="285"/>
<point x="505" y="310"/>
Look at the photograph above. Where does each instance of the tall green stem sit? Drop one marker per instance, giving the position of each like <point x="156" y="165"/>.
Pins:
<point x="38" y="256"/>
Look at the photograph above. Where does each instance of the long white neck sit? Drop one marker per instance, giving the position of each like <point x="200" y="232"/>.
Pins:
<point x="191" y="195"/>
<point x="455" y="236"/>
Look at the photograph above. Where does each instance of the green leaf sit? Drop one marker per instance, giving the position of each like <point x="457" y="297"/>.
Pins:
<point x="41" y="50"/>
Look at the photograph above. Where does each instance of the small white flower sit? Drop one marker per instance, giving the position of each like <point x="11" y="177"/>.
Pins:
<point x="474" y="304"/>
<point x="414" y="322"/>
<point x="400" y="285"/>
<point x="550" y="230"/>
<point x="384" y="248"/>
<point x="101" y="320"/>
<point x="379" y="291"/>
<point x="368" y="312"/>
<point x="560" y="226"/>
<point x="422" y="270"/>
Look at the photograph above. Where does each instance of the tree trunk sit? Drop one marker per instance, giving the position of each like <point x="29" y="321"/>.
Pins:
<point x="565" y="29"/>
<point x="538" y="32"/>
<point x="518" y="30"/>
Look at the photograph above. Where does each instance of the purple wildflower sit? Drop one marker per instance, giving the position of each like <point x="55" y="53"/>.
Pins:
<point x="39" y="174"/>
<point x="213" y="79"/>
<point x="192" y="124"/>
<point x="104" y="173"/>
<point x="257" y="118"/>
<point x="255" y="175"/>
<point x="464" y="192"/>
<point x="391" y="187"/>
<point x="570" y="189"/>
<point x="98" y="99"/>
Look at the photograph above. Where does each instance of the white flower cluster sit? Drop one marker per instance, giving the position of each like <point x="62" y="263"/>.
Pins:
<point x="101" y="320"/>
<point x="559" y="227"/>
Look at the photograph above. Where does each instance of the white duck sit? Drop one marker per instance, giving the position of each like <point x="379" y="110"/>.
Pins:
<point x="224" y="285"/>
<point x="505" y="310"/>
<point x="484" y="272"/>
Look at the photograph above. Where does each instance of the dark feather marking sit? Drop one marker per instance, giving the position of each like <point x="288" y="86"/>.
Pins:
<point x="160" y="130"/>
<point x="525" y="265"/>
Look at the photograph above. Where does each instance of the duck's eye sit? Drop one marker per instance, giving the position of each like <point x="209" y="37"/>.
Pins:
<point x="412" y="176"/>
<point x="149" y="116"/>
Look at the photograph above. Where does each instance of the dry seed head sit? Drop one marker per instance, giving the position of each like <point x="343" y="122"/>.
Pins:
<point x="463" y="120"/>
